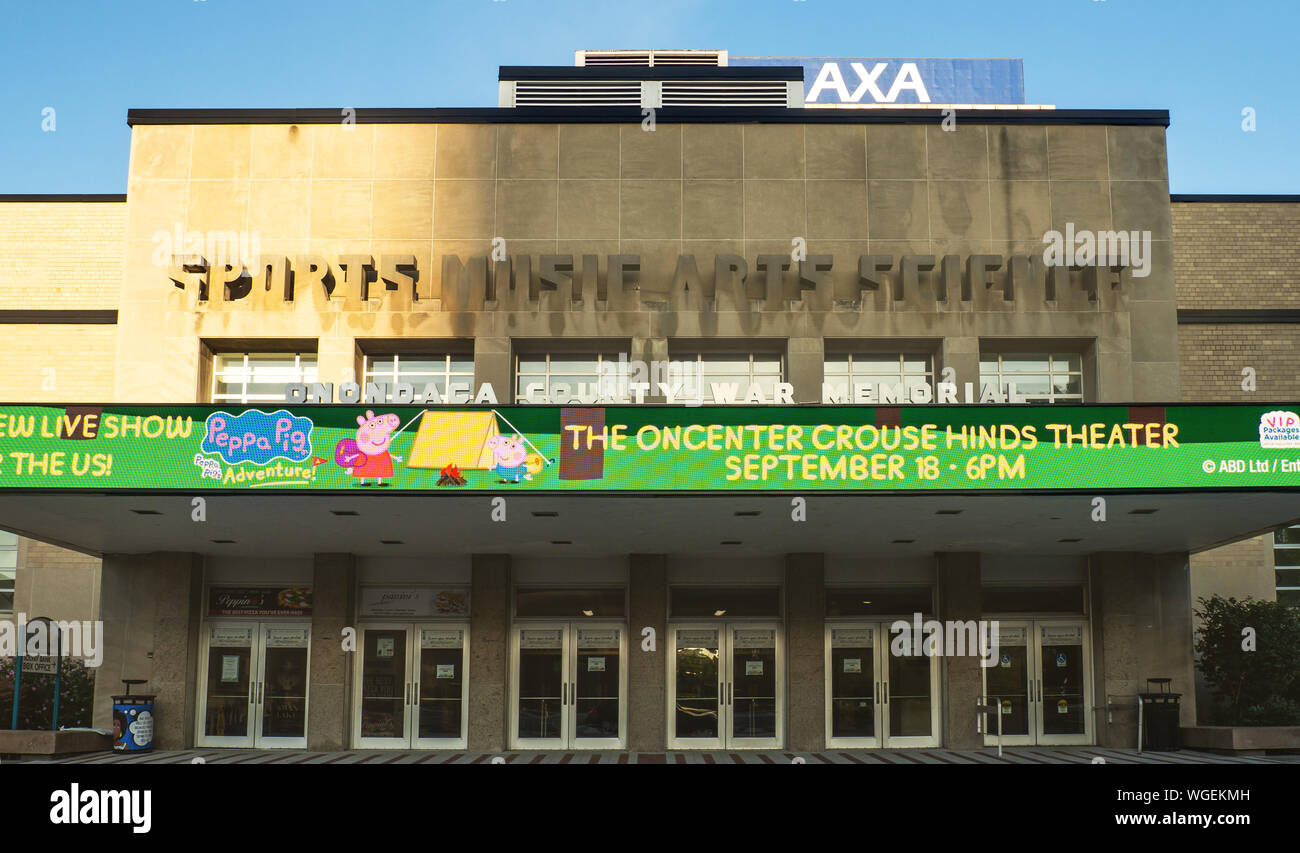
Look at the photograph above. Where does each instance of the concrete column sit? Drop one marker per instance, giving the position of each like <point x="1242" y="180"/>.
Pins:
<point x="650" y="350"/>
<point x="329" y="705"/>
<point x="489" y="603"/>
<point x="336" y="361"/>
<point x="647" y="672"/>
<point x="150" y="607"/>
<point x="493" y="364"/>
<point x="1141" y="628"/>
<point x="805" y="368"/>
<point x="963" y="356"/>
<point x="961" y="680"/>
<point x="805" y="645"/>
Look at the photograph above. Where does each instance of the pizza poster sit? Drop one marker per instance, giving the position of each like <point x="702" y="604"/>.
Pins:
<point x="259" y="601"/>
<point x="458" y="449"/>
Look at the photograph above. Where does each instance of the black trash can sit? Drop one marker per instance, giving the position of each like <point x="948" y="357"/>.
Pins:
<point x="1160" y="730"/>
<point x="133" y="721"/>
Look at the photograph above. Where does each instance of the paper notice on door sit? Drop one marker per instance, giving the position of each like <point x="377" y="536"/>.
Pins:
<point x="384" y="647"/>
<point x="595" y="664"/>
<point x="446" y="670"/>
<point x="229" y="669"/>
<point x="853" y="664"/>
<point x="753" y="667"/>
<point x="1006" y="706"/>
<point x="1062" y="707"/>
<point x="1005" y="661"/>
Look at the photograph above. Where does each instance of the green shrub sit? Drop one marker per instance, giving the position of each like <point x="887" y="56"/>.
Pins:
<point x="1259" y="687"/>
<point x="36" y="705"/>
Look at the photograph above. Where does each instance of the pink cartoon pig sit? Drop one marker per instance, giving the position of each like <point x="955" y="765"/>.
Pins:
<point x="509" y="452"/>
<point x="374" y="435"/>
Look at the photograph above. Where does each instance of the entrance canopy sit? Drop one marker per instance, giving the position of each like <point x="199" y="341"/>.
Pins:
<point x="883" y="527"/>
<point x="424" y="480"/>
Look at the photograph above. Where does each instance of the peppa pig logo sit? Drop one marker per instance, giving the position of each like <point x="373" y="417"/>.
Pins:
<point x="1279" y="429"/>
<point x="258" y="437"/>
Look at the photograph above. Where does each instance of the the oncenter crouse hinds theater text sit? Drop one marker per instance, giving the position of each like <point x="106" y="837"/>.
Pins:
<point x="522" y="279"/>
<point x="808" y="452"/>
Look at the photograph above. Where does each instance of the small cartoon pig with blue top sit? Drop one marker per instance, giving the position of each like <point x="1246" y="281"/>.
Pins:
<point x="509" y="452"/>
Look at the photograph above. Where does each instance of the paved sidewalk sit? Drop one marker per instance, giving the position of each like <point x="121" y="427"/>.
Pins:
<point x="1011" y="755"/>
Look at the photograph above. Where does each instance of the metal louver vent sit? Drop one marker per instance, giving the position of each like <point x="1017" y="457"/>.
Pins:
<point x="684" y="93"/>
<point x="651" y="58"/>
<point x="594" y="93"/>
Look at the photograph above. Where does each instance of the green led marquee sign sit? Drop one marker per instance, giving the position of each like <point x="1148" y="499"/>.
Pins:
<point x="464" y="449"/>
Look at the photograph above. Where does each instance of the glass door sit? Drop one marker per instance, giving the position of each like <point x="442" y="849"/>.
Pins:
<point x="383" y="717"/>
<point x="1008" y="685"/>
<point x="413" y="687"/>
<point x="1063" y="688"/>
<point x="879" y="694"/>
<point x="596" y="687"/>
<point x="569" y="686"/>
<point x="726" y="687"/>
<point x="226" y="712"/>
<point x="438" y="691"/>
<point x="253" y="685"/>
<point x="695" y="684"/>
<point x="909" y="690"/>
<point x="541" y="687"/>
<point x="282" y="686"/>
<point x="1041" y="683"/>
<point x="753" y="688"/>
<point x="852" y="687"/>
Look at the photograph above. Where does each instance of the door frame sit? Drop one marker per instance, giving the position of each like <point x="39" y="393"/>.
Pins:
<point x="410" y="738"/>
<point x="201" y="711"/>
<point x="726" y="685"/>
<point x="257" y="685"/>
<point x="1085" y="647"/>
<point x="1033" y="626"/>
<point x="880" y="642"/>
<point x="261" y="741"/>
<point x="568" y="679"/>
<point x="415" y="641"/>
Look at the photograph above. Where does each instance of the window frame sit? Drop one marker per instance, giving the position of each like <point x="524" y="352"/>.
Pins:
<point x="9" y="575"/>
<point x="1051" y="397"/>
<point x="1278" y="589"/>
<point x="420" y="379"/>
<point x="600" y="357"/>
<point x="219" y="371"/>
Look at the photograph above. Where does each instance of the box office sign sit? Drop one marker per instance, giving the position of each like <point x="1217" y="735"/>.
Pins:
<point x="259" y="601"/>
<point x="414" y="602"/>
<point x="546" y="449"/>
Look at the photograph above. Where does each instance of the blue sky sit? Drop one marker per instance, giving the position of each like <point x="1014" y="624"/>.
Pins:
<point x="92" y="60"/>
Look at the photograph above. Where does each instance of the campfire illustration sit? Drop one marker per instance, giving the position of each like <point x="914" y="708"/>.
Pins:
<point x="450" y="476"/>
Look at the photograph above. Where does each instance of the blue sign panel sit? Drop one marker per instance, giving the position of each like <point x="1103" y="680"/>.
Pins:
<point x="850" y="81"/>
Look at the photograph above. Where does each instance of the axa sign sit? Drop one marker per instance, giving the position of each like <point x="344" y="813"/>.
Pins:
<point x="831" y="79"/>
<point x="856" y="82"/>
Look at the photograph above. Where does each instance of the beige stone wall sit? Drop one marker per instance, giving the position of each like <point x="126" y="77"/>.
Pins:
<point x="61" y="255"/>
<point x="1237" y="254"/>
<point x="50" y="363"/>
<point x="55" y="582"/>
<point x="605" y="189"/>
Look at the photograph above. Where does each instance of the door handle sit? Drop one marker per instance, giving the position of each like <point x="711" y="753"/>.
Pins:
<point x="720" y="702"/>
<point x="729" y="685"/>
<point x="564" y="693"/>
<point x="877" y="692"/>
<point x="885" y="687"/>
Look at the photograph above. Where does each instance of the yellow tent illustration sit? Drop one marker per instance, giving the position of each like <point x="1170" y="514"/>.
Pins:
<point x="454" y="438"/>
